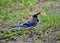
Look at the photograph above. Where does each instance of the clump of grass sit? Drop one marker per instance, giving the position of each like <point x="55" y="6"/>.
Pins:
<point x="58" y="35"/>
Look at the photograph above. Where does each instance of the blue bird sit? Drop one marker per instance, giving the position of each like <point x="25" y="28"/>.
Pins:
<point x="29" y="23"/>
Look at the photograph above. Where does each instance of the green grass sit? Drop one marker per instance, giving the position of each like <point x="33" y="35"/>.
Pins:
<point x="51" y="20"/>
<point x="12" y="11"/>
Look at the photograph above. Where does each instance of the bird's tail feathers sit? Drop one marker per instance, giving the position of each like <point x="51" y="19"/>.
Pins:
<point x="16" y="26"/>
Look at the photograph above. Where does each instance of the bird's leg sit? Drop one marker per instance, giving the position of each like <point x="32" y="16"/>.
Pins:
<point x="30" y="32"/>
<point x="31" y="35"/>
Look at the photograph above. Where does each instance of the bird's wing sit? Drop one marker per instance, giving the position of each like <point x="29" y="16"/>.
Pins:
<point x="26" y="24"/>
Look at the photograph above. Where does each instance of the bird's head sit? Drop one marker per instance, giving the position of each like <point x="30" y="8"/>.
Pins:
<point x="39" y="13"/>
<point x="35" y="15"/>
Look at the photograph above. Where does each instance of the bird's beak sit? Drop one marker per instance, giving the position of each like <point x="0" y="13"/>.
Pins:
<point x="43" y="14"/>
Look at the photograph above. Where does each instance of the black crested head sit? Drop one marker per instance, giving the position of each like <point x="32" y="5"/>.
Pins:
<point x="35" y="15"/>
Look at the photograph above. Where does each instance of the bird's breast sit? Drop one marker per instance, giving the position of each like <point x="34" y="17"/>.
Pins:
<point x="33" y="23"/>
